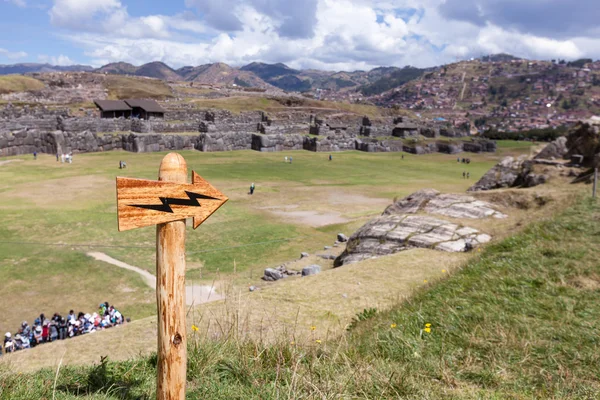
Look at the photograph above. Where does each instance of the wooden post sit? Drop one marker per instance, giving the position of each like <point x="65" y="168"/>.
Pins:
<point x="167" y="203"/>
<point x="595" y="182"/>
<point x="170" y="293"/>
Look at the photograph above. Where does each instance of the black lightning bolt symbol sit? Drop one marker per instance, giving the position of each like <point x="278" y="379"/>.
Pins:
<point x="167" y="202"/>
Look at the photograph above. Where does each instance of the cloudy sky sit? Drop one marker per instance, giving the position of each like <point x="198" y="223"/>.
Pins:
<point x="323" y="34"/>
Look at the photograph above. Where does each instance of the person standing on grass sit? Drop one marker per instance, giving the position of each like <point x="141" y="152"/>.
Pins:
<point x="45" y="331"/>
<point x="468" y="175"/>
<point x="35" y="155"/>
<point x="62" y="329"/>
<point x="9" y="344"/>
<point x="290" y="160"/>
<point x="252" y="188"/>
<point x="330" y="157"/>
<point x="464" y="174"/>
<point x="57" y="157"/>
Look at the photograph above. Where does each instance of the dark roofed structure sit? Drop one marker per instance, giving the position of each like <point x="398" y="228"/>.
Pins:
<point x="113" y="108"/>
<point x="144" y="109"/>
<point x="136" y="108"/>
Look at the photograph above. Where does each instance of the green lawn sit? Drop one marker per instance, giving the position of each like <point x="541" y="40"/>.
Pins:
<point x="73" y="206"/>
<point x="519" y="321"/>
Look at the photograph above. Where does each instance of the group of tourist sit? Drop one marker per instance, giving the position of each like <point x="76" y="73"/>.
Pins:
<point x="60" y="328"/>
<point x="464" y="160"/>
<point x="65" y="158"/>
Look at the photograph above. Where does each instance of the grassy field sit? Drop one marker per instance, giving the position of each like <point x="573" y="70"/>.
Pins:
<point x="518" y="321"/>
<point x="19" y="83"/>
<point x="72" y="207"/>
<point x="239" y="104"/>
<point x="127" y="87"/>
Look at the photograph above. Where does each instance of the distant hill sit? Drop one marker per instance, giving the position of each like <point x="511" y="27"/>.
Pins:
<point x="256" y="74"/>
<point x="223" y="74"/>
<point x="158" y="70"/>
<point x="26" y="68"/>
<point x="280" y="75"/>
<point x="396" y="78"/>
<point x="119" y="68"/>
<point x="286" y="78"/>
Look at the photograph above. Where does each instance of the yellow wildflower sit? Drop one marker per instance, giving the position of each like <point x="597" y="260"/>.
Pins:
<point x="425" y="281"/>
<point x="443" y="271"/>
<point x="427" y="325"/>
<point x="428" y="330"/>
<point x="318" y="341"/>
<point x="393" y="326"/>
<point x="195" y="328"/>
<point x="313" y="328"/>
<point x="292" y="343"/>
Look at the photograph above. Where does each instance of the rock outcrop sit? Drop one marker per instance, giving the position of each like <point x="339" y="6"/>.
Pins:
<point x="584" y="140"/>
<point x="556" y="150"/>
<point x="450" y="205"/>
<point x="507" y="173"/>
<point x="411" y="204"/>
<point x="390" y="234"/>
<point x="313" y="269"/>
<point x="396" y="230"/>
<point x="275" y="274"/>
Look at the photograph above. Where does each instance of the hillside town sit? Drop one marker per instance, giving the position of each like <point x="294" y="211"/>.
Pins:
<point x="506" y="96"/>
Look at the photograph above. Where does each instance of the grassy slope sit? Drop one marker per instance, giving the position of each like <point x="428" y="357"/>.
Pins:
<point x="45" y="201"/>
<point x="19" y="83"/>
<point x="126" y="87"/>
<point x="519" y="321"/>
<point x="239" y="104"/>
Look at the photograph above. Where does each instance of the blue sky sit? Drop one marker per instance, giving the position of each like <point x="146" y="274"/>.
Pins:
<point x="325" y="34"/>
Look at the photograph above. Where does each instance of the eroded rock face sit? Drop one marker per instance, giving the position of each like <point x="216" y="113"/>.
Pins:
<point x="505" y="174"/>
<point x="390" y="234"/>
<point x="584" y="139"/>
<point x="460" y="206"/>
<point x="412" y="203"/>
<point x="555" y="150"/>
<point x="450" y="205"/>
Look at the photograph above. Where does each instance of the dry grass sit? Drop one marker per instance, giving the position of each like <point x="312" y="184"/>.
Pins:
<point x="19" y="83"/>
<point x="126" y="87"/>
<point x="288" y="307"/>
<point x="237" y="104"/>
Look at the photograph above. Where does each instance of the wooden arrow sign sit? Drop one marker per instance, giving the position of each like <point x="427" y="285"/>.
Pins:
<point x="142" y="202"/>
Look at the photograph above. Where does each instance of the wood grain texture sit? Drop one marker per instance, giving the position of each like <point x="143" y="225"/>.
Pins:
<point x="170" y="294"/>
<point x="134" y="194"/>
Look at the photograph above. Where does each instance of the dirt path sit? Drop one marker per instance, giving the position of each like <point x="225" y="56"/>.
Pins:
<point x="8" y="162"/>
<point x="194" y="294"/>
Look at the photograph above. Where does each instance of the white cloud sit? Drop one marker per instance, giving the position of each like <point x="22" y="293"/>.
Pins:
<point x="19" y="3"/>
<point x="78" y="13"/>
<point x="52" y="60"/>
<point x="344" y="34"/>
<point x="12" y="55"/>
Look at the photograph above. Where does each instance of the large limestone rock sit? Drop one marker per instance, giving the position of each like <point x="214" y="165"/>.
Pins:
<point x="555" y="150"/>
<point x="412" y="203"/>
<point x="390" y="234"/>
<point x="584" y="139"/>
<point x="506" y="173"/>
<point x="461" y="206"/>
<point x="450" y="205"/>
